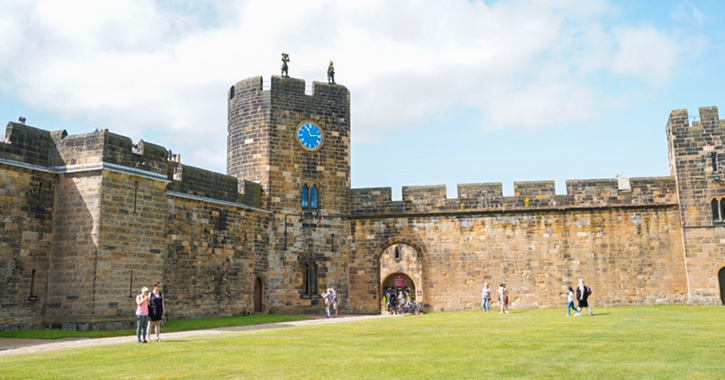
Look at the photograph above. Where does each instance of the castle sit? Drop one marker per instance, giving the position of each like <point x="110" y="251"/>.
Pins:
<point x="87" y="220"/>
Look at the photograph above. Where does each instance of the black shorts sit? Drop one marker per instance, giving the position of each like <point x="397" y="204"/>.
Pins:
<point x="583" y="303"/>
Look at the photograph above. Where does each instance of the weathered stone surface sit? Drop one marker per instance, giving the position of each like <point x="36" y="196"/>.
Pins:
<point x="87" y="220"/>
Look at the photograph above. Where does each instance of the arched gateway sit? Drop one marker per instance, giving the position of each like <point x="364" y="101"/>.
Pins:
<point x="401" y="271"/>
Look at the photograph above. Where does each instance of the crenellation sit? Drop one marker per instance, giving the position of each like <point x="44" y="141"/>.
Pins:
<point x="99" y="210"/>
<point x="481" y="195"/>
<point x="26" y="144"/>
<point x="530" y="194"/>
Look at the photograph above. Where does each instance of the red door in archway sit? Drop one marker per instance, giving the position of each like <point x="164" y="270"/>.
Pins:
<point x="258" y="295"/>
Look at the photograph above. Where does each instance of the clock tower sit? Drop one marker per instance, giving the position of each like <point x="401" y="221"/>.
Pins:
<point x="297" y="145"/>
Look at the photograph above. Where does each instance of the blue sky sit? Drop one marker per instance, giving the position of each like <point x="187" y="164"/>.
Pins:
<point x="443" y="92"/>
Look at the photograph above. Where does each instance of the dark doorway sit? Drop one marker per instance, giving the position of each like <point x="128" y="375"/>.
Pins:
<point x="258" y="295"/>
<point x="721" y="276"/>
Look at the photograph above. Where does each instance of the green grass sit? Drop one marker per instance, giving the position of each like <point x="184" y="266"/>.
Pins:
<point x="648" y="342"/>
<point x="171" y="326"/>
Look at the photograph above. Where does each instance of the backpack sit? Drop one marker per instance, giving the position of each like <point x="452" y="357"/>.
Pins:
<point x="587" y="291"/>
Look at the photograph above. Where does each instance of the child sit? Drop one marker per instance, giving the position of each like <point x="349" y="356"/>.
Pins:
<point x="570" y="304"/>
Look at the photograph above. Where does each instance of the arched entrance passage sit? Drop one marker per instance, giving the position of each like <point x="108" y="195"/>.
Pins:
<point x="258" y="295"/>
<point x="721" y="277"/>
<point x="401" y="284"/>
<point x="401" y="270"/>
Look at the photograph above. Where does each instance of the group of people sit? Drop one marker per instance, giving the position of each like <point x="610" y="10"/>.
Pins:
<point x="330" y="299"/>
<point x="400" y="302"/>
<point x="503" y="297"/>
<point x="582" y="296"/>
<point x="150" y="309"/>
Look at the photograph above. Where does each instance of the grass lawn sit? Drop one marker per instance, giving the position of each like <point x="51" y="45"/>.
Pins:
<point x="171" y="326"/>
<point x="657" y="342"/>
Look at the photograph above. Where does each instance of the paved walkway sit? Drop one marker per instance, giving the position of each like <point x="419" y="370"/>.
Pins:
<point x="28" y="346"/>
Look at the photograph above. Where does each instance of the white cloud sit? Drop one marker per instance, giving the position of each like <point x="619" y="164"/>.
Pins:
<point x="645" y="52"/>
<point x="159" y="70"/>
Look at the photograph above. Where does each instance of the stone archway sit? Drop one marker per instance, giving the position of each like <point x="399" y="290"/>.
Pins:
<point x="402" y="262"/>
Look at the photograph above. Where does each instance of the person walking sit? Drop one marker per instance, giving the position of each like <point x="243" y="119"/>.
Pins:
<point x="485" y="297"/>
<point x="582" y="294"/>
<point x="326" y="299"/>
<point x="570" y="304"/>
<point x="142" y="314"/>
<point x="393" y="302"/>
<point x="334" y="301"/>
<point x="503" y="296"/>
<point x="157" y="311"/>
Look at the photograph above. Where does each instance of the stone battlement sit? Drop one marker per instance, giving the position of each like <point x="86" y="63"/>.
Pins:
<point x="287" y="86"/>
<point x="59" y="152"/>
<point x="540" y="194"/>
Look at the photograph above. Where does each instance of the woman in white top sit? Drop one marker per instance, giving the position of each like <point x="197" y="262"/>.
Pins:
<point x="486" y="297"/>
<point x="503" y="296"/>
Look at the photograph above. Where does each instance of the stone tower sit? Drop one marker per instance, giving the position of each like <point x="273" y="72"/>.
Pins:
<point x="696" y="162"/>
<point x="306" y="187"/>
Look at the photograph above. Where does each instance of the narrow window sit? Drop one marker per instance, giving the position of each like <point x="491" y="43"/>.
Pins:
<point x="305" y="197"/>
<point x="313" y="278"/>
<point x="135" y="195"/>
<point x="722" y="208"/>
<point x="40" y="194"/>
<point x="397" y="253"/>
<point x="231" y="93"/>
<point x="333" y="242"/>
<point x="306" y="279"/>
<point x="33" y="296"/>
<point x="221" y="221"/>
<point x="313" y="197"/>
<point x="715" y="209"/>
<point x="714" y="161"/>
<point x="130" y="285"/>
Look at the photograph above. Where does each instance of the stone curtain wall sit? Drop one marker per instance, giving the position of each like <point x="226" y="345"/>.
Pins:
<point x="76" y="229"/>
<point x="132" y="245"/>
<point x="627" y="255"/>
<point x="691" y="150"/>
<point x="215" y="252"/>
<point x="26" y="204"/>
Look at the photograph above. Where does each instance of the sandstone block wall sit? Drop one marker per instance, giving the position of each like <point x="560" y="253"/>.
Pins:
<point x="628" y="255"/>
<point x="248" y="131"/>
<point x="76" y="229"/>
<point x="215" y="252"/>
<point x="696" y="161"/>
<point x="26" y="203"/>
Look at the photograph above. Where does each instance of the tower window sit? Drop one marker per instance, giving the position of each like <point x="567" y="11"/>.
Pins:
<point x="722" y="208"/>
<point x="231" y="93"/>
<point x="397" y="253"/>
<point x="313" y="197"/>
<point x="305" y="196"/>
<point x="714" y="161"/>
<point x="715" y="210"/>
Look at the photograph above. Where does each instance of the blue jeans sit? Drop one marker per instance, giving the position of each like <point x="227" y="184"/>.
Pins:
<point x="486" y="304"/>
<point x="142" y="323"/>
<point x="571" y="306"/>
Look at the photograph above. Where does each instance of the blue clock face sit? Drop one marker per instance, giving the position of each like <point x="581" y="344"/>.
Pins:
<point x="309" y="135"/>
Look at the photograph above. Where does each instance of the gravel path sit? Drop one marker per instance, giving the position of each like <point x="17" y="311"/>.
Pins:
<point x="28" y="346"/>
